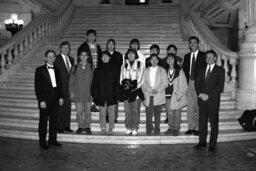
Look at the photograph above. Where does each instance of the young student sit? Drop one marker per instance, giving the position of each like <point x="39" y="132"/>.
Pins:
<point x="175" y="95"/>
<point x="171" y="49"/>
<point x="49" y="94"/>
<point x="80" y="91"/>
<point x="116" y="61"/>
<point x="154" y="49"/>
<point x="94" y="51"/>
<point x="105" y="92"/>
<point x="155" y="82"/>
<point x="131" y="79"/>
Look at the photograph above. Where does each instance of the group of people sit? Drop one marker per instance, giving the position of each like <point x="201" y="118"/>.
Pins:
<point x="106" y="78"/>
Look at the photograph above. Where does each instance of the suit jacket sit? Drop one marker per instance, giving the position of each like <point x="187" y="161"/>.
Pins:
<point x="43" y="85"/>
<point x="64" y="74"/>
<point x="161" y="82"/>
<point x="214" y="86"/>
<point x="200" y="63"/>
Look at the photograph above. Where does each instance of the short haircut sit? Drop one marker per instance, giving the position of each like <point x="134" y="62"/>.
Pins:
<point x="134" y="41"/>
<point x="195" y="38"/>
<point x="105" y="53"/>
<point x="153" y="55"/>
<point x="172" y="46"/>
<point x="212" y="52"/>
<point x="155" y="46"/>
<point x="91" y="31"/>
<point x="64" y="43"/>
<point x="49" y="51"/>
<point x="89" y="60"/>
<point x="110" y="40"/>
<point x="131" y="50"/>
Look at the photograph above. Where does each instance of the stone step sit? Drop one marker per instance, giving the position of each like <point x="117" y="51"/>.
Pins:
<point x="119" y="127"/>
<point x="33" y="103"/>
<point x="21" y="112"/>
<point x="30" y="94"/>
<point x="32" y="134"/>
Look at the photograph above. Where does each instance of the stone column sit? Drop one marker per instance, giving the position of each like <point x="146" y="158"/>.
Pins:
<point x="246" y="93"/>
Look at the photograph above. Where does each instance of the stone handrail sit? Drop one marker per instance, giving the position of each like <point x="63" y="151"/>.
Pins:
<point x="193" y="25"/>
<point x="41" y="27"/>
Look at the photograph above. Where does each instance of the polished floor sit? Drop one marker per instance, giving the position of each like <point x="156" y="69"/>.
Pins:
<point x="19" y="155"/>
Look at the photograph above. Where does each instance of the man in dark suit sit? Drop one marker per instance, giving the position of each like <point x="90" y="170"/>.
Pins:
<point x="209" y="85"/>
<point x="49" y="94"/>
<point x="64" y="64"/>
<point x="193" y="62"/>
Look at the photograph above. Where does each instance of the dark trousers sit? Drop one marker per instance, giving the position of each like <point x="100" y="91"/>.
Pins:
<point x="156" y="110"/>
<point x="51" y="112"/>
<point x="208" y="110"/>
<point x="64" y="115"/>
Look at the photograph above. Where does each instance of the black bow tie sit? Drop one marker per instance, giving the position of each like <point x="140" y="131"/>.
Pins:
<point x="48" y="67"/>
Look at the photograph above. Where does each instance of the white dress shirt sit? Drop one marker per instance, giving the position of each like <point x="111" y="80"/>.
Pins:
<point x="152" y="75"/>
<point x="64" y="59"/>
<point x="52" y="75"/>
<point x="191" y="57"/>
<point x="209" y="66"/>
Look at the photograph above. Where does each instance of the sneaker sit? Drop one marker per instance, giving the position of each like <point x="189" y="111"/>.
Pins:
<point x="134" y="132"/>
<point x="110" y="131"/>
<point x="128" y="131"/>
<point x="94" y="108"/>
<point x="88" y="131"/>
<point x="103" y="132"/>
<point x="79" y="130"/>
<point x="169" y="132"/>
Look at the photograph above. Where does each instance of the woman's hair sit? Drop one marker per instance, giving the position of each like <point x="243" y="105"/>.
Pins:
<point x="110" y="40"/>
<point x="175" y="65"/>
<point x="155" y="46"/>
<point x="130" y="50"/>
<point x="89" y="59"/>
<point x="134" y="41"/>
<point x="172" y="46"/>
<point x="91" y="31"/>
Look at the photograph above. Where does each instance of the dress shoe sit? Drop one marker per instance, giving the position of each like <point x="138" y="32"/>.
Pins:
<point x="60" y="131"/>
<point x="149" y="132"/>
<point x="44" y="147"/>
<point x="94" y="108"/>
<point x="189" y="132"/>
<point x="79" y="130"/>
<point x="88" y="131"/>
<point x="55" y="144"/>
<point x="211" y="148"/>
<point x="166" y="120"/>
<point x="68" y="130"/>
<point x="200" y="145"/>
<point x="175" y="133"/>
<point x="196" y="133"/>
<point x="169" y="132"/>
<point x="157" y="132"/>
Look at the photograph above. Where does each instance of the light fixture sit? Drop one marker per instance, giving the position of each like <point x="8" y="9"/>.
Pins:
<point x="13" y="24"/>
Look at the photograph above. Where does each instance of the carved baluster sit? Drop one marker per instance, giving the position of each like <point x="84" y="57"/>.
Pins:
<point x="39" y="32"/>
<point x="227" y="78"/>
<point x="35" y="36"/>
<point x="21" y="47"/>
<point x="15" y="54"/>
<point x="43" y="30"/>
<point x="233" y="74"/>
<point x="219" y="62"/>
<point x="30" y="40"/>
<point x="9" y="59"/>
<point x="26" y="43"/>
<point x="3" y="62"/>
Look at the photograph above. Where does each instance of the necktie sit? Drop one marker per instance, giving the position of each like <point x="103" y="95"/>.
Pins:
<point x="208" y="74"/>
<point x="48" y="67"/>
<point x="192" y="76"/>
<point x="67" y="64"/>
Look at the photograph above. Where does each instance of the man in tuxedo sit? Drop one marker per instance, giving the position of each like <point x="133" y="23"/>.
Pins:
<point x="193" y="62"/>
<point x="209" y="85"/>
<point x="49" y="94"/>
<point x="64" y="64"/>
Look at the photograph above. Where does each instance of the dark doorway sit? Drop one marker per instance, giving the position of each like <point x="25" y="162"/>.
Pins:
<point x="136" y="2"/>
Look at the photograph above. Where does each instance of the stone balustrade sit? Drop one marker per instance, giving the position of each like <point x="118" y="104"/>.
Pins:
<point x="43" y="26"/>
<point x="193" y="25"/>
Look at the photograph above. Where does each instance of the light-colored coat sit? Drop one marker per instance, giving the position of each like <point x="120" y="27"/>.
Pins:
<point x="179" y="91"/>
<point x="161" y="82"/>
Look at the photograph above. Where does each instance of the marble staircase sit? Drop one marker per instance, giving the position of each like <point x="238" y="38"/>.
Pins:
<point x="150" y="24"/>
